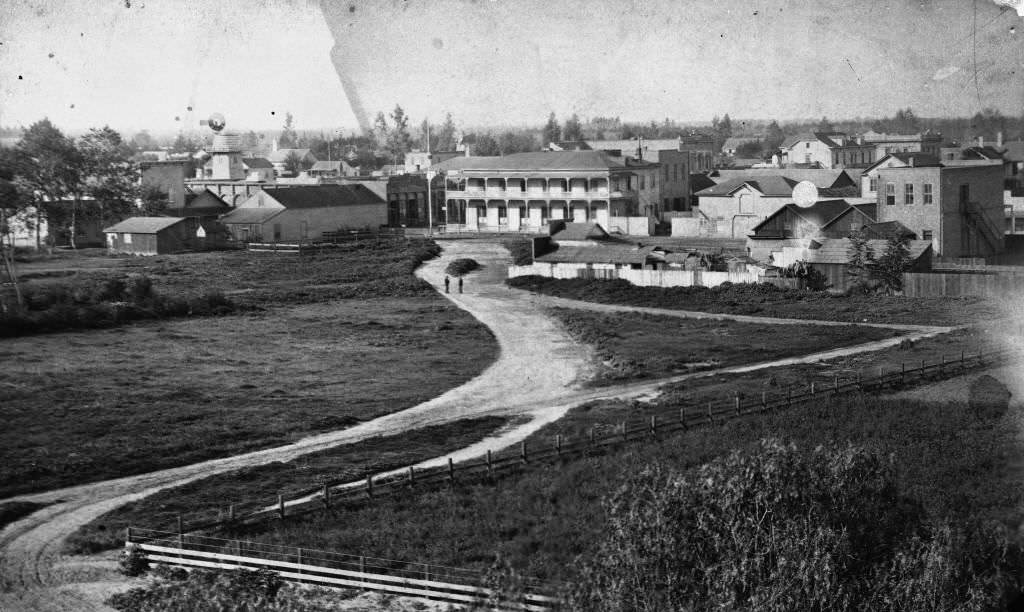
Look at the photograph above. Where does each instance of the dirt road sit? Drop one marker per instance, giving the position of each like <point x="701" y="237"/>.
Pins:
<point x="537" y="377"/>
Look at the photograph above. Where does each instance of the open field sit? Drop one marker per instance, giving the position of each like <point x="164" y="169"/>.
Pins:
<point x="952" y="463"/>
<point x="253" y="488"/>
<point x="637" y="346"/>
<point x="770" y="301"/>
<point x="84" y="406"/>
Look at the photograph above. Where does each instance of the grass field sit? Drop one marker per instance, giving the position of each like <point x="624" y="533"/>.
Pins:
<point x="952" y="463"/>
<point x="767" y="300"/>
<point x="84" y="406"/>
<point x="254" y="488"/>
<point x="636" y="346"/>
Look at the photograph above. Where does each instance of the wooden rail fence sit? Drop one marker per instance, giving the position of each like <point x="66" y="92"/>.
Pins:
<point x="331" y="569"/>
<point x="666" y="421"/>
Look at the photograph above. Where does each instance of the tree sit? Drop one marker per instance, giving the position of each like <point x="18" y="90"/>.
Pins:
<point x="184" y="144"/>
<point x="48" y="166"/>
<point x="825" y="125"/>
<point x="889" y="268"/>
<point x="485" y="145"/>
<point x="109" y="176"/>
<point x="552" y="132"/>
<point x="398" y="139"/>
<point x="289" y="138"/>
<point x="515" y="142"/>
<point x="773" y="137"/>
<point x="380" y="131"/>
<point x="777" y="528"/>
<point x="859" y="260"/>
<point x="154" y="201"/>
<point x="142" y="141"/>
<point x="905" y="122"/>
<point x="293" y="163"/>
<point x="446" y="135"/>
<point x="750" y="149"/>
<point x="572" y="129"/>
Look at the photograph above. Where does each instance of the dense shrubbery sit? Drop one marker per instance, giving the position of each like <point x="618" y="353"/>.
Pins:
<point x="521" y="250"/>
<point x="102" y="301"/>
<point x="458" y="267"/>
<point x="780" y="529"/>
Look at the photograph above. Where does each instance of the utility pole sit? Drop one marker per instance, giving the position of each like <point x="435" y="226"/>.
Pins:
<point x="430" y="203"/>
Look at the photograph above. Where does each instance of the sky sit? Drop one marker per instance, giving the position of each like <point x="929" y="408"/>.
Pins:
<point x="165" y="64"/>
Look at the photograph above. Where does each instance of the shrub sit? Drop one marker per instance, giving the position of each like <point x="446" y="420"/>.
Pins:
<point x="463" y="266"/>
<point x="780" y="529"/>
<point x="133" y="561"/>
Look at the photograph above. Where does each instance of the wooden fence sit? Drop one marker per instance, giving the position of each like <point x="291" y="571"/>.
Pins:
<point x="330" y="569"/>
<point x="663" y="422"/>
<point x="952" y="284"/>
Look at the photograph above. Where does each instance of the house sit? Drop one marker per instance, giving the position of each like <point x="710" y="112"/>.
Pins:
<point x="419" y="161"/>
<point x="406" y="195"/>
<point x="744" y="198"/>
<point x="523" y="191"/>
<point x="869" y="177"/>
<point x="791" y="225"/>
<point x="956" y="204"/>
<point x="678" y="158"/>
<point x="279" y="159"/>
<point x="332" y="169"/>
<point x="258" y="169"/>
<point x="921" y="142"/>
<point x="305" y="212"/>
<point x="155" y="235"/>
<point x="831" y="257"/>
<point x="827" y="150"/>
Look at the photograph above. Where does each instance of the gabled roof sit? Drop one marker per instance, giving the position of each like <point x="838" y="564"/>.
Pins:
<point x="336" y="165"/>
<point x="143" y="225"/>
<point x="570" y="145"/>
<point x="323" y="196"/>
<point x="888" y="229"/>
<point x="769" y="185"/>
<point x="734" y="142"/>
<point x="280" y="155"/>
<point x="257" y="162"/>
<point x="985" y="152"/>
<point x="821" y="177"/>
<point x="836" y="250"/>
<point x="534" y="161"/>
<point x="580" y="231"/>
<point x="251" y="216"/>
<point x="821" y="213"/>
<point x="906" y="158"/>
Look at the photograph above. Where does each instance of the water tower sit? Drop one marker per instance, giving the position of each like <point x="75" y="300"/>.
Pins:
<point x="226" y="151"/>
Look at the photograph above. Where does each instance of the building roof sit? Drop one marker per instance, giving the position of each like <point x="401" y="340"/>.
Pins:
<point x="280" y="155"/>
<point x="251" y="215"/>
<point x="836" y="250"/>
<point x="323" y="196"/>
<point x="143" y="225"/>
<point x="257" y="162"/>
<point x="534" y="161"/>
<point x="888" y="229"/>
<point x="821" y="213"/>
<point x="336" y="165"/>
<point x="617" y="252"/>
<point x="984" y="152"/>
<point x="821" y="177"/>
<point x="580" y="231"/>
<point x="570" y="145"/>
<point x="1014" y="150"/>
<point x="772" y="185"/>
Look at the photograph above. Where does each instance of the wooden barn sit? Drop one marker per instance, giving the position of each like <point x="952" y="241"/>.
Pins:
<point x="155" y="235"/>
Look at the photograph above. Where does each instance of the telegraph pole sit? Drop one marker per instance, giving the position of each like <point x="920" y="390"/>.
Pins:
<point x="430" y="204"/>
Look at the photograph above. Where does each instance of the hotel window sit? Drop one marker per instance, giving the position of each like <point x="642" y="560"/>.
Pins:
<point x="666" y="173"/>
<point x="890" y="194"/>
<point x="927" y="193"/>
<point x="873" y="184"/>
<point x="642" y="181"/>
<point x="926" y="234"/>
<point x="908" y="193"/>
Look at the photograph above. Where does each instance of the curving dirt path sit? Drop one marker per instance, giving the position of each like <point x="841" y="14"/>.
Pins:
<point x="538" y="376"/>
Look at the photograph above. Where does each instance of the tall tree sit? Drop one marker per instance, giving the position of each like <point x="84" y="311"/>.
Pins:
<point x="572" y="129"/>
<point x="859" y="260"/>
<point x="889" y="268"/>
<point x="446" y="134"/>
<point x="142" y="141"/>
<point x="825" y="125"/>
<point x="398" y="139"/>
<point x="108" y="175"/>
<point x="49" y="167"/>
<point x="773" y="137"/>
<point x="552" y="131"/>
<point x="293" y="163"/>
<point x="381" y="131"/>
<point x="485" y="145"/>
<point x="289" y="138"/>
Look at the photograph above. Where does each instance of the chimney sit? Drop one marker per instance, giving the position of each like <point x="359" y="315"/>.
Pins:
<point x="680" y="142"/>
<point x="640" y="148"/>
<point x="999" y="139"/>
<point x="981" y="141"/>
<point x="910" y="160"/>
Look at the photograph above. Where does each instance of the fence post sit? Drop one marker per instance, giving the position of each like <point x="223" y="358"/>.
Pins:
<point x="369" y="486"/>
<point x="654" y="425"/>
<point x="682" y="418"/>
<point x="837" y="384"/>
<point x="298" y="559"/>
<point x="280" y="505"/>
<point x="558" y="445"/>
<point x="181" y="536"/>
<point x="362" y="564"/>
<point x="490" y="465"/>
<point x="812" y="388"/>
<point x="860" y="380"/>
<point x="128" y="534"/>
<point x="451" y="471"/>
<point x="737" y="404"/>
<point x="412" y="477"/>
<point x="961" y="359"/>
<point x="522" y="451"/>
<point x="625" y="432"/>
<point x="789" y="397"/>
<point x="903" y="373"/>
<point x="764" y="401"/>
<point x="942" y="364"/>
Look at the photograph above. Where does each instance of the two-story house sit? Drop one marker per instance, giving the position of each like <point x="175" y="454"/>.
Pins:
<point x="523" y="191"/>
<point x="827" y="150"/>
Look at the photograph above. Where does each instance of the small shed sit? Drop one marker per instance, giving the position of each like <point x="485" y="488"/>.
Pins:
<point x="154" y="235"/>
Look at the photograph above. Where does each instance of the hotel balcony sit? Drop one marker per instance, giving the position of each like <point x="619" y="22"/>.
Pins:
<point x="549" y="194"/>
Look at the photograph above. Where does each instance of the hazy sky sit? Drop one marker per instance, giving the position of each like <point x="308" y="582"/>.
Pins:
<point x="142" y="64"/>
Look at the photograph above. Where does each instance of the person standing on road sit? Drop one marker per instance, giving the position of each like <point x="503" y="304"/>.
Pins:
<point x="460" y="284"/>
<point x="447" y="282"/>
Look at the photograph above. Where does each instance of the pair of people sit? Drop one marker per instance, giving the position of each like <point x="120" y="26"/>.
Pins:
<point x="447" y="281"/>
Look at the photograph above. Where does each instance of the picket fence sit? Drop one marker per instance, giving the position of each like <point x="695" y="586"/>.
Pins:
<point x="640" y="278"/>
<point x="331" y="569"/>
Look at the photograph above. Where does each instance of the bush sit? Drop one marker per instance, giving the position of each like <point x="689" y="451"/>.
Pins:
<point x="463" y="266"/>
<point x="133" y="561"/>
<point x="780" y="529"/>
